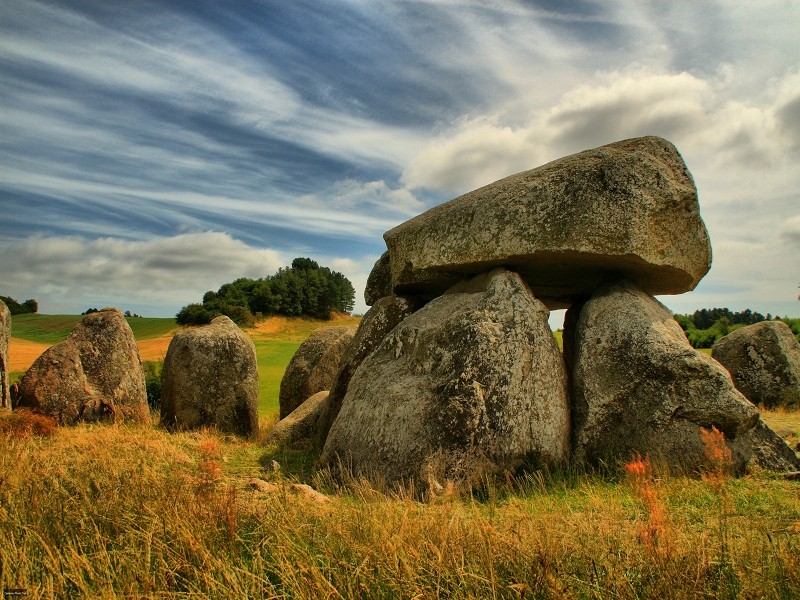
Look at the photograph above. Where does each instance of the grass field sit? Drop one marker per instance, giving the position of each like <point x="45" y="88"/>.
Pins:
<point x="110" y="511"/>
<point x="276" y="340"/>
<point x="98" y="511"/>
<point x="51" y="329"/>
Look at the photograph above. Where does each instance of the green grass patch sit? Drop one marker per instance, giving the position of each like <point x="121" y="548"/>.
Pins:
<point x="273" y="357"/>
<point x="51" y="329"/>
<point x="145" y="328"/>
<point x="43" y="329"/>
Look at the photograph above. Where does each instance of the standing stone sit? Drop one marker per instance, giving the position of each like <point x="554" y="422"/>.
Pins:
<point x="210" y="379"/>
<point x="628" y="208"/>
<point x="764" y="362"/>
<point x="5" y="334"/>
<point x="640" y="388"/>
<point x="94" y="374"/>
<point x="384" y="315"/>
<point x="313" y="367"/>
<point x="471" y="384"/>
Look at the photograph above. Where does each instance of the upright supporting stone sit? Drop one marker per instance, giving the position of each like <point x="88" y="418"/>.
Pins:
<point x="471" y="384"/>
<point x="640" y="388"/>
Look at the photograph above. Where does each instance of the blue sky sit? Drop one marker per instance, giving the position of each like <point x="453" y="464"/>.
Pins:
<point x="150" y="151"/>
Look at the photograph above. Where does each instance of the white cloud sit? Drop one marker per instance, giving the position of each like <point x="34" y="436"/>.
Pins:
<point x="694" y="113"/>
<point x="169" y="272"/>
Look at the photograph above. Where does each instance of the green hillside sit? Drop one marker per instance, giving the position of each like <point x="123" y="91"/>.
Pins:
<point x="51" y="329"/>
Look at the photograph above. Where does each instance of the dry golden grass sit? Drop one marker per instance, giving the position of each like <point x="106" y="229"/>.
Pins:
<point x="296" y="328"/>
<point x="112" y="511"/>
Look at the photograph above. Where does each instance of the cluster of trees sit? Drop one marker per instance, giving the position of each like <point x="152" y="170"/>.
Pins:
<point x="16" y="308"/>
<point x="707" y="325"/>
<point x="304" y="289"/>
<point x="89" y="311"/>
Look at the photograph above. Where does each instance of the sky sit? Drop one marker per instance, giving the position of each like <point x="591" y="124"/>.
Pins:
<point x="151" y="151"/>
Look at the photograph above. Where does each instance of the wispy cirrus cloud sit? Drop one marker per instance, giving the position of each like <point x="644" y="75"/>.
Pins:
<point x="308" y="128"/>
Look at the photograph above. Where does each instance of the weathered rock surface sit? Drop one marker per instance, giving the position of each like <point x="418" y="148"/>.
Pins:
<point x="384" y="315"/>
<point x="767" y="450"/>
<point x="5" y="334"/>
<point x="94" y="374"/>
<point x="639" y="387"/>
<point x="299" y="428"/>
<point x="379" y="282"/>
<point x="313" y="367"/>
<point x="470" y="384"/>
<point x="628" y="208"/>
<point x="764" y="362"/>
<point x="210" y="378"/>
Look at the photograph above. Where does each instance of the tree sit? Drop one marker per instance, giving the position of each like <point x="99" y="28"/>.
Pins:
<point x="194" y="314"/>
<point x="15" y="308"/>
<point x="303" y="289"/>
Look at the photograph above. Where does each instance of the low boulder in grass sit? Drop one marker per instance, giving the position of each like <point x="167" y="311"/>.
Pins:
<point x="764" y="362"/>
<point x="767" y="450"/>
<point x="313" y="367"/>
<point x="5" y="334"/>
<point x="94" y="374"/>
<point x="470" y="385"/>
<point x="640" y="388"/>
<point x="210" y="379"/>
<point x="299" y="428"/>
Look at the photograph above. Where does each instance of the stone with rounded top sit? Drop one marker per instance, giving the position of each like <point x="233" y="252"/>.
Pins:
<point x="628" y="208"/>
<point x="210" y="379"/>
<point x="313" y="366"/>
<point x="93" y="375"/>
<point x="764" y="362"/>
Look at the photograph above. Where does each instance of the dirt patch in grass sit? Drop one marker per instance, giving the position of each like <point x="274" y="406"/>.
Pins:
<point x="22" y="353"/>
<point x="154" y="349"/>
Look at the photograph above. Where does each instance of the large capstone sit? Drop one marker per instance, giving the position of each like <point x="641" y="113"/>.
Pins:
<point x="764" y="362"/>
<point x="210" y="379"/>
<point x="629" y="208"/>
<point x="640" y="388"/>
<point x="471" y="384"/>
<point x="94" y="374"/>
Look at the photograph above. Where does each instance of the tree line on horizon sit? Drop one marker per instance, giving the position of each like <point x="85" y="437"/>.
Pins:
<point x="28" y="307"/>
<point x="303" y="289"/>
<point x="707" y="325"/>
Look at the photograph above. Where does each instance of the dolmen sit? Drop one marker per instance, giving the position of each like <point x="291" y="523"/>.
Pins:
<point x="454" y="375"/>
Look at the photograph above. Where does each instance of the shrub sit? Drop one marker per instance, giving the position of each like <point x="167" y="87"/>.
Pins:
<point x="194" y="314"/>
<point x="152" y="381"/>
